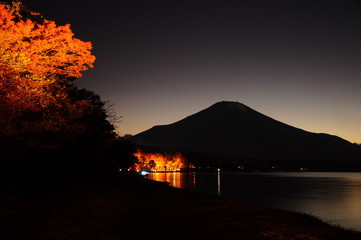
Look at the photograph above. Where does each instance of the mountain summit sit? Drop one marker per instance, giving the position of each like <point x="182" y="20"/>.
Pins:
<point x="234" y="129"/>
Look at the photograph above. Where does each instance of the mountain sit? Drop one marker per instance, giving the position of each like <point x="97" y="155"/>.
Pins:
<point x="235" y="130"/>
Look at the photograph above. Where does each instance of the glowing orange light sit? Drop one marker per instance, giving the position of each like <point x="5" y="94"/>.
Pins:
<point x="159" y="162"/>
<point x="36" y="60"/>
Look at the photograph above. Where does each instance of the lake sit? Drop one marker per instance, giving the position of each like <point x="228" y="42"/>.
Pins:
<point x="334" y="197"/>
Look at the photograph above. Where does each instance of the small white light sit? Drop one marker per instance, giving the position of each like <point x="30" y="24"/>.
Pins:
<point x="144" y="173"/>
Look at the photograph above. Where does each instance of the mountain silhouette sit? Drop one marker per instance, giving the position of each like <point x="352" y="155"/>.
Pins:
<point x="235" y="130"/>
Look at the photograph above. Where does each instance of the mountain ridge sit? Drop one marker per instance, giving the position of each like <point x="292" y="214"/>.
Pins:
<point x="234" y="129"/>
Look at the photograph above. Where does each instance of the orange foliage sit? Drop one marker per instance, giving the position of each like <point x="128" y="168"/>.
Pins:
<point x="36" y="61"/>
<point x="159" y="162"/>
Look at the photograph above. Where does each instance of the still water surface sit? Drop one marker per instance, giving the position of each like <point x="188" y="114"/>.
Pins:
<point x="333" y="197"/>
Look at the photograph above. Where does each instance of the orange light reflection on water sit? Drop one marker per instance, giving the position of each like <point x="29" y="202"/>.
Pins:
<point x="175" y="179"/>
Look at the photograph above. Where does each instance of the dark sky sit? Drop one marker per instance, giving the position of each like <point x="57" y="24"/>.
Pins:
<point x="158" y="62"/>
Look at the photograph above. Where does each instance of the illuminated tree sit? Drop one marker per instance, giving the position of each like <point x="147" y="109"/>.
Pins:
<point x="50" y="129"/>
<point x="38" y="61"/>
<point x="159" y="162"/>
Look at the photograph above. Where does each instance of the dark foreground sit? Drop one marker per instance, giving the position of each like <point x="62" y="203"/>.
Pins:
<point x="134" y="208"/>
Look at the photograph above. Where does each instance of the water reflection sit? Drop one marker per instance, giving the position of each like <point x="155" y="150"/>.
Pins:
<point x="333" y="197"/>
<point x="204" y="182"/>
<point x="219" y="182"/>
<point x="176" y="179"/>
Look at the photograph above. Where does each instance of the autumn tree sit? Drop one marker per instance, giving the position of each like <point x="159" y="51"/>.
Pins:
<point x="49" y="128"/>
<point x="38" y="61"/>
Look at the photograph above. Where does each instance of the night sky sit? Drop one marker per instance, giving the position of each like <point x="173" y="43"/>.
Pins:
<point x="158" y="62"/>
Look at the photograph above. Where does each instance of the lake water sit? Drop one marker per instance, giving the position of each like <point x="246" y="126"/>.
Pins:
<point x="331" y="196"/>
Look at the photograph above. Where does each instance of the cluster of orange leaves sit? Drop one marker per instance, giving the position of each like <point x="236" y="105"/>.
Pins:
<point x="159" y="162"/>
<point x="36" y="60"/>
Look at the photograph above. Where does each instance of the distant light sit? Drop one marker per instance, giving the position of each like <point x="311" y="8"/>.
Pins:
<point x="218" y="169"/>
<point x="144" y="173"/>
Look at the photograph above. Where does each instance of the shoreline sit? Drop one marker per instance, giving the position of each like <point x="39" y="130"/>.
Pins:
<point x="133" y="207"/>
